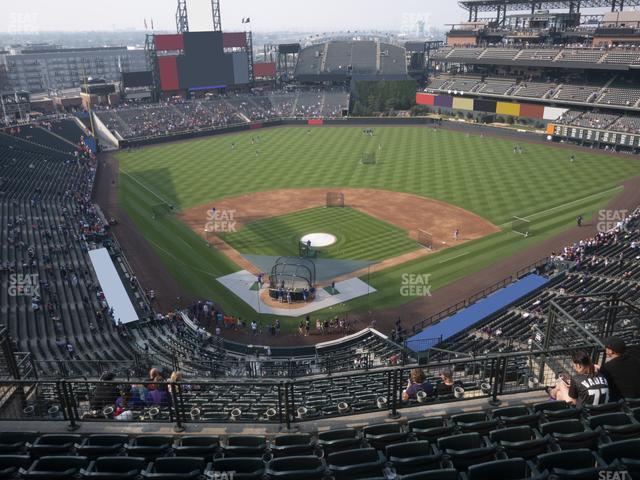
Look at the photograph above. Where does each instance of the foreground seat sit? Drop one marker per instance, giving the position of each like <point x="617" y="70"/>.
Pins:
<point x="412" y="457"/>
<point x="624" y="454"/>
<point x="573" y="464"/>
<point x="519" y="442"/>
<point x="10" y="464"/>
<point x="149" y="446"/>
<point x="515" y="416"/>
<point x="54" y="444"/>
<point x="307" y="467"/>
<point x="475" y="422"/>
<point x="383" y="434"/>
<point x="14" y="442"/>
<point x="357" y="463"/>
<point x="617" y="426"/>
<point x="61" y="467"/>
<point x="336" y="440"/>
<point x="175" y="468"/>
<point x="430" y="429"/>
<point x="245" y="446"/>
<point x="205" y="446"/>
<point x="114" y="468"/>
<point x="444" y="474"/>
<point x="246" y="468"/>
<point x="95" y="446"/>
<point x="570" y="434"/>
<point x="290" y="445"/>
<point x="466" y="449"/>
<point x="556" y="410"/>
<point x="512" y="469"/>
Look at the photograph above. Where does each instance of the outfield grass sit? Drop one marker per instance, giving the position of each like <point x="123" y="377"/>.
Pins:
<point x="480" y="174"/>
<point x="359" y="236"/>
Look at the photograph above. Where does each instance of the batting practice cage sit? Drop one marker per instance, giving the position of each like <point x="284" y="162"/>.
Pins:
<point x="521" y="226"/>
<point x="292" y="277"/>
<point x="368" y="158"/>
<point x="335" y="199"/>
<point x="425" y="239"/>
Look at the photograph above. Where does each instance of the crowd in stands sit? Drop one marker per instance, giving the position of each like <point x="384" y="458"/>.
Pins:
<point x="601" y="121"/>
<point x="54" y="305"/>
<point x="175" y="116"/>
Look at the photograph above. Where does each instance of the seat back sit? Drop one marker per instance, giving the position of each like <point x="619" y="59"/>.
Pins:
<point x="609" y="419"/>
<point x="246" y="466"/>
<point x="408" y="449"/>
<point x="152" y="440"/>
<point x="118" y="464"/>
<point x="444" y="474"/>
<point x="105" y="440"/>
<point x="382" y="429"/>
<point x="567" y="460"/>
<point x="512" y="469"/>
<point x="621" y="449"/>
<point x="178" y="464"/>
<point x="512" y="434"/>
<point x="464" y="441"/>
<point x="562" y="426"/>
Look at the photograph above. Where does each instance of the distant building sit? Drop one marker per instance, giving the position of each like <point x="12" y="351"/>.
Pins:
<point x="40" y="68"/>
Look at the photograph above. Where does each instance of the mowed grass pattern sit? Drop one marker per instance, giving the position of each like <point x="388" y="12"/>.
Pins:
<point x="359" y="236"/>
<point x="480" y="174"/>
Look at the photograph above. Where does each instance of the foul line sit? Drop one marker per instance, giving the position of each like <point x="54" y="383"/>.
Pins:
<point x="180" y="261"/>
<point x="453" y="258"/>
<point x="558" y="207"/>
<point x="145" y="187"/>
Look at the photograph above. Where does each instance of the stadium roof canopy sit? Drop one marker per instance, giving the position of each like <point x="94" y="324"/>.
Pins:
<point x="494" y="5"/>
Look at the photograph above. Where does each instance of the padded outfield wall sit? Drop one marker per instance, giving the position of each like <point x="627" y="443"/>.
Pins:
<point x="481" y="105"/>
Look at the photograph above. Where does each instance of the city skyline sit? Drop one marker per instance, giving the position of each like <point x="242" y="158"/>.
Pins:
<point x="34" y="16"/>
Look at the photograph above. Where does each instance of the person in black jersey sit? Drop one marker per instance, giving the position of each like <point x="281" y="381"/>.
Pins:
<point x="621" y="370"/>
<point x="587" y="386"/>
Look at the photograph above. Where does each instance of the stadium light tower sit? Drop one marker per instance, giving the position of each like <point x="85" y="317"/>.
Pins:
<point x="182" y="19"/>
<point x="217" y="20"/>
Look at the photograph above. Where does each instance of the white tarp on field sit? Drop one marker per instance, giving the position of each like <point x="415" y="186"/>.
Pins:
<point x="114" y="291"/>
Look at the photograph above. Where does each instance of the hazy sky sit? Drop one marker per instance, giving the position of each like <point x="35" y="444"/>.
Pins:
<point x="308" y="15"/>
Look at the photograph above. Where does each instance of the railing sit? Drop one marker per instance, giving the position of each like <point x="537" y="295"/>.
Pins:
<point x="273" y="401"/>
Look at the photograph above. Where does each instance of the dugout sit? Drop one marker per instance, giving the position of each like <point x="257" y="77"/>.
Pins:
<point x="293" y="275"/>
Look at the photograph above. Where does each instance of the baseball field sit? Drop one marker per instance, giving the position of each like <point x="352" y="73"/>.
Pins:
<point x="423" y="179"/>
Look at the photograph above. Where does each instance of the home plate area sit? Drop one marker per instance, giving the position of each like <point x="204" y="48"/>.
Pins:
<point x="243" y="283"/>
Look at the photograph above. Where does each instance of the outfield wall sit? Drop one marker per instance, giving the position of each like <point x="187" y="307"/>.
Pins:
<point x="488" y="106"/>
<point x="139" y="142"/>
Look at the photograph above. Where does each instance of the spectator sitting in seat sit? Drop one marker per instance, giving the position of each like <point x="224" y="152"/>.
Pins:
<point x="159" y="396"/>
<point x="621" y="370"/>
<point x="416" y="382"/>
<point x="128" y="400"/>
<point x="105" y="393"/>
<point x="447" y="384"/>
<point x="586" y="387"/>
